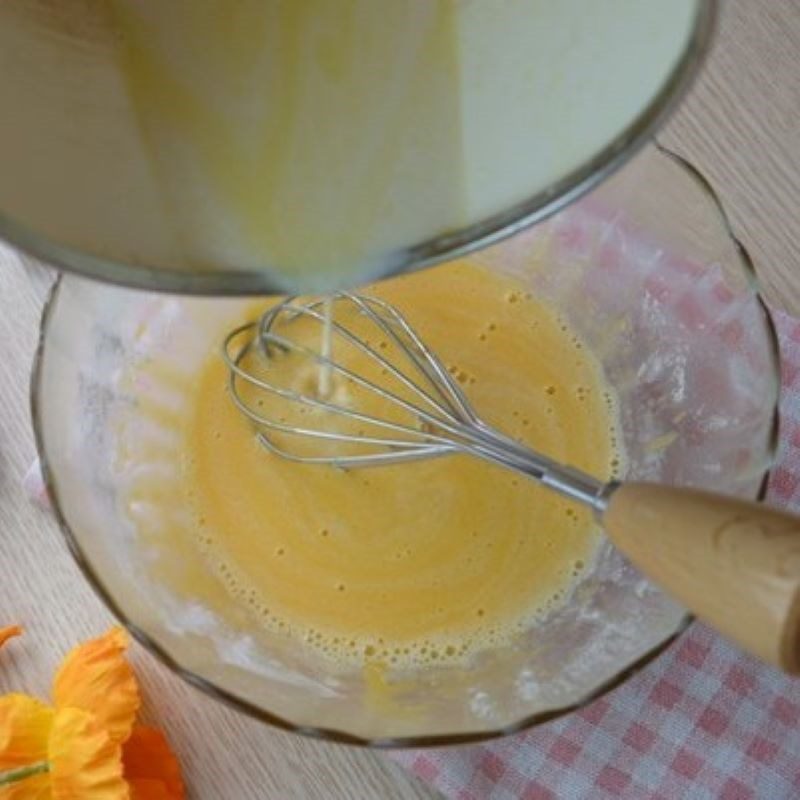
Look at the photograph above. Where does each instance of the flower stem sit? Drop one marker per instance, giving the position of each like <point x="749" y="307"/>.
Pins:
<point x="15" y="775"/>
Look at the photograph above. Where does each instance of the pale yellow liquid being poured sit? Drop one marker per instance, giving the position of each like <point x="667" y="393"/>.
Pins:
<point x="418" y="563"/>
<point x="316" y="140"/>
<point x="322" y="137"/>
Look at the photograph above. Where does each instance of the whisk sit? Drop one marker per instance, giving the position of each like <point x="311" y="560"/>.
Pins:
<point x="735" y="564"/>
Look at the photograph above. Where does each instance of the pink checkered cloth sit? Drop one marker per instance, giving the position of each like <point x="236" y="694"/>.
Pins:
<point x="703" y="721"/>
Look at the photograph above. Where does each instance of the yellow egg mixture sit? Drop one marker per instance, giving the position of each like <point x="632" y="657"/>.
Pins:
<point x="420" y="562"/>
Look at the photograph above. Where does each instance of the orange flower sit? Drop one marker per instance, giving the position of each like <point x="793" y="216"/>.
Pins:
<point x="87" y="745"/>
<point x="9" y="633"/>
<point x="25" y="725"/>
<point x="151" y="769"/>
<point x="84" y="760"/>
<point x="96" y="677"/>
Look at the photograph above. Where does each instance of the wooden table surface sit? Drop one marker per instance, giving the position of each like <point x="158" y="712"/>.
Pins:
<point x="741" y="126"/>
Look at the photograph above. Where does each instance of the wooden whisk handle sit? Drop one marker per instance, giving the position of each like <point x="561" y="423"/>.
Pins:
<point x="734" y="564"/>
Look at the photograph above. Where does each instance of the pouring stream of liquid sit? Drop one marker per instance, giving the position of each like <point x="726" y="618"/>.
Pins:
<point x="326" y="349"/>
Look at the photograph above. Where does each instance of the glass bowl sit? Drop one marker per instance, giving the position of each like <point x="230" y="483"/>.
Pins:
<point x="646" y="270"/>
<point x="87" y="185"/>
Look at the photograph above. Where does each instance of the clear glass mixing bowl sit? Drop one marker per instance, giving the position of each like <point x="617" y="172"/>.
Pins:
<point x="645" y="268"/>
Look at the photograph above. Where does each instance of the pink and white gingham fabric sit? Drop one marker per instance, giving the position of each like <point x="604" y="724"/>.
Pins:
<point x="702" y="722"/>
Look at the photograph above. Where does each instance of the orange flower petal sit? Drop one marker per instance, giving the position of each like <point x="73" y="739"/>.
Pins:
<point x="24" y="730"/>
<point x="96" y="677"/>
<point x="9" y="633"/>
<point x="148" y="790"/>
<point x="151" y="768"/>
<point x="84" y="760"/>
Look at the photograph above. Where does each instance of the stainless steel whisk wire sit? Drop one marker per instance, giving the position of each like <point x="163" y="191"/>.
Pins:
<point x="448" y="423"/>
